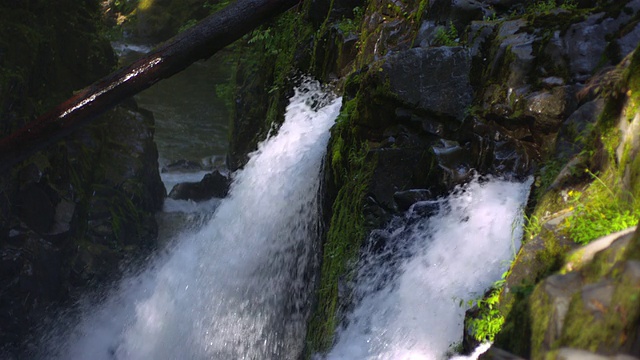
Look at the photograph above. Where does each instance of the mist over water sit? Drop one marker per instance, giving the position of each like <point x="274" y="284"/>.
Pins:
<point x="417" y="275"/>
<point x="237" y="287"/>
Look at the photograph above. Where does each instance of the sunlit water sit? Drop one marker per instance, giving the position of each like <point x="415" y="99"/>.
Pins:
<point x="238" y="287"/>
<point x="418" y="274"/>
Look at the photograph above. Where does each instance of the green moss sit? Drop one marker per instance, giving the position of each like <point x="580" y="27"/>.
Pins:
<point x="602" y="263"/>
<point x="351" y="169"/>
<point x="446" y="36"/>
<point x="632" y="252"/>
<point x="552" y="253"/>
<point x="550" y="202"/>
<point x="351" y="165"/>
<point x="634" y="180"/>
<point x="352" y="25"/>
<point x="551" y="355"/>
<point x="320" y="36"/>
<point x="540" y="313"/>
<point x="545" y="176"/>
<point x="345" y="235"/>
<point x="632" y="75"/>
<point x="515" y="335"/>
<point x="608" y="327"/>
<point x="347" y="115"/>
<point x="535" y="261"/>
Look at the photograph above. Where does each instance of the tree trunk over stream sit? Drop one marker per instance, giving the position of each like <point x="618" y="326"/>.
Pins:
<point x="199" y="42"/>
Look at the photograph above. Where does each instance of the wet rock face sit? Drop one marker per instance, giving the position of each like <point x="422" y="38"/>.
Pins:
<point x="423" y="140"/>
<point x="398" y="170"/>
<point x="426" y="140"/>
<point x="435" y="80"/>
<point x="250" y="108"/>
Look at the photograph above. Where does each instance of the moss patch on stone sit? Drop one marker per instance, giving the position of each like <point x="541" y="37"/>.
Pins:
<point x="350" y="167"/>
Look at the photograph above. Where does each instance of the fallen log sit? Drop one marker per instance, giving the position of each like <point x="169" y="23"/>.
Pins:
<point x="199" y="42"/>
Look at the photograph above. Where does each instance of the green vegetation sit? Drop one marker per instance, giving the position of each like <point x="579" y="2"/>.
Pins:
<point x="215" y="6"/>
<point x="489" y="320"/>
<point x="125" y="6"/>
<point x="602" y="212"/>
<point x="352" y="25"/>
<point x="446" y="36"/>
<point x="187" y="25"/>
<point x="540" y="314"/>
<point x="550" y="5"/>
<point x="545" y="177"/>
<point x="532" y="227"/>
<point x="266" y="39"/>
<point x="609" y="203"/>
<point x="603" y="202"/>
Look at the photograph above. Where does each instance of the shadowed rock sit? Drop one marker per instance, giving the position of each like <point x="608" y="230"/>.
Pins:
<point x="212" y="185"/>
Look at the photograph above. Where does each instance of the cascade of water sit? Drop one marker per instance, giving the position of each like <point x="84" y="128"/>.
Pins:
<point x="415" y="279"/>
<point x="237" y="288"/>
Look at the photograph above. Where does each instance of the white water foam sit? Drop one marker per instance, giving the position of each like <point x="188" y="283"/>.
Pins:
<point x="411" y="292"/>
<point x="238" y="287"/>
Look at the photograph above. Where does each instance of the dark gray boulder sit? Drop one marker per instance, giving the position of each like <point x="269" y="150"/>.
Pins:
<point x="586" y="43"/>
<point x="576" y="128"/>
<point x="550" y="107"/>
<point x="212" y="185"/>
<point x="435" y="80"/>
<point x="514" y="58"/>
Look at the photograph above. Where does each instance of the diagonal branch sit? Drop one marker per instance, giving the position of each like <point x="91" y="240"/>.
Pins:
<point x="199" y="42"/>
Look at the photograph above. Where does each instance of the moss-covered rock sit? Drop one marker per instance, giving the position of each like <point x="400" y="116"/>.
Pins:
<point x="599" y="313"/>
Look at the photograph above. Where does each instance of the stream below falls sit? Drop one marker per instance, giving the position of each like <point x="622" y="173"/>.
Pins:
<point x="236" y="281"/>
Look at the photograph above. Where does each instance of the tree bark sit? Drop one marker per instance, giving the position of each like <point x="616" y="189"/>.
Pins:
<point x="199" y="42"/>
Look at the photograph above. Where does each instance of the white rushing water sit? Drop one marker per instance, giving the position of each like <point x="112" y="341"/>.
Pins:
<point x="236" y="288"/>
<point x="415" y="279"/>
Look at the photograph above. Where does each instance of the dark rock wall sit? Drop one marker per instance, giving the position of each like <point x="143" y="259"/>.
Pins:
<point x="70" y="214"/>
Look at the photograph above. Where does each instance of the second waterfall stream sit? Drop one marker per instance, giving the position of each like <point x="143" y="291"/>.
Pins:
<point x="240" y="286"/>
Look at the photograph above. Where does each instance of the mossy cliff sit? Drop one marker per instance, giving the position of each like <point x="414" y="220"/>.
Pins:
<point x="562" y="294"/>
<point x="436" y="91"/>
<point x="69" y="214"/>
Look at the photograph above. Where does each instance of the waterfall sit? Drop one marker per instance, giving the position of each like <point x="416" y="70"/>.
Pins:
<point x="238" y="287"/>
<point x="416" y="277"/>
